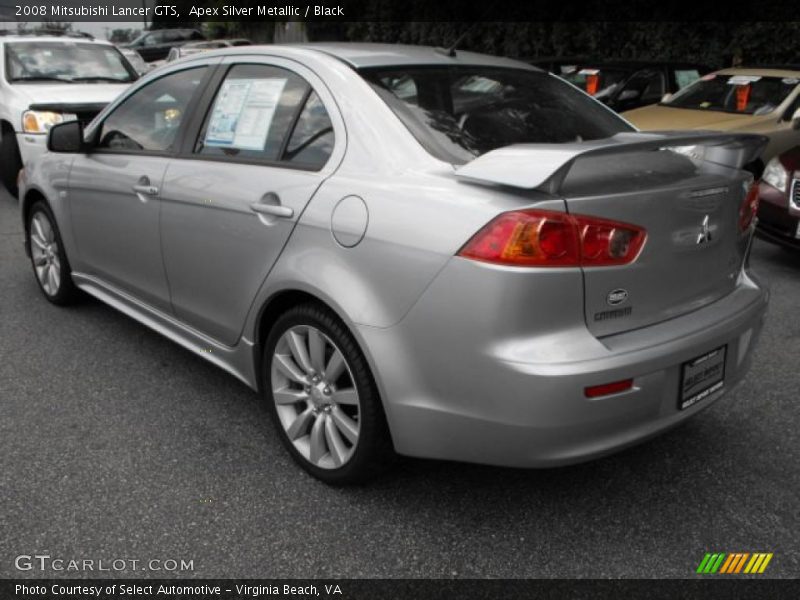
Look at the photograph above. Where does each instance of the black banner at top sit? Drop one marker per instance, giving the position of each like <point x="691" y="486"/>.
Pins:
<point x="183" y="11"/>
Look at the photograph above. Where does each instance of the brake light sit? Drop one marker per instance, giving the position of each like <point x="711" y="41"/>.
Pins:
<point x="749" y="208"/>
<point x="543" y="238"/>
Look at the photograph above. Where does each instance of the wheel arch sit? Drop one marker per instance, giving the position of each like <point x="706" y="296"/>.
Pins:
<point x="285" y="299"/>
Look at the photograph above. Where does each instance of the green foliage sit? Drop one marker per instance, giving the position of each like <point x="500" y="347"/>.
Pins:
<point x="713" y="43"/>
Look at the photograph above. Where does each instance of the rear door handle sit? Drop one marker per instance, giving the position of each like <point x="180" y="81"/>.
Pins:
<point x="147" y="190"/>
<point x="284" y="212"/>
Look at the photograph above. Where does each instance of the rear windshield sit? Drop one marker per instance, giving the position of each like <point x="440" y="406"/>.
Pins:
<point x="741" y="94"/>
<point x="458" y="113"/>
<point x="67" y="62"/>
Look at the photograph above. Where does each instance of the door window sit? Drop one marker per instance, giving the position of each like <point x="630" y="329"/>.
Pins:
<point x="256" y="111"/>
<point x="148" y="121"/>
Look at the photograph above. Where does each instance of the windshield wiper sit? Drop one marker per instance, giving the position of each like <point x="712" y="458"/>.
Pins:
<point x="41" y="78"/>
<point x="101" y="79"/>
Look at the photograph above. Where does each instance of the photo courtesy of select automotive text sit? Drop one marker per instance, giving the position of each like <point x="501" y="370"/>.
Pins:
<point x="399" y="300"/>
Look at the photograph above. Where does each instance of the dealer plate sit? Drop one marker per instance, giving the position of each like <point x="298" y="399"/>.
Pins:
<point x="701" y="377"/>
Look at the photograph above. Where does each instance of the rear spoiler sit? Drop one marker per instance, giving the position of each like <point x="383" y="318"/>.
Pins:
<point x="545" y="166"/>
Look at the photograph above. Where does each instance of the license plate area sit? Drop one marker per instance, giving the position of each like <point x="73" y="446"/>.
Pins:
<point x="701" y="377"/>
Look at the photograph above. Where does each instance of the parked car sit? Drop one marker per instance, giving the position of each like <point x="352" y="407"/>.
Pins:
<point x="455" y="257"/>
<point x="137" y="62"/>
<point x="49" y="79"/>
<point x="198" y="47"/>
<point x="750" y="100"/>
<point x="779" y="206"/>
<point x="624" y="85"/>
<point x="558" y="65"/>
<point x="156" y="44"/>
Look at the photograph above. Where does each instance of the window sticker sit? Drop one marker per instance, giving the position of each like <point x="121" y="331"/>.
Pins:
<point x="743" y="79"/>
<point x="243" y="112"/>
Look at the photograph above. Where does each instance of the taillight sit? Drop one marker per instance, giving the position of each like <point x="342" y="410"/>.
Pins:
<point x="749" y="208"/>
<point x="542" y="238"/>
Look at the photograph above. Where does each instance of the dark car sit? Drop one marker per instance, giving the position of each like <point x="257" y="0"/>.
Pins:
<point x="779" y="200"/>
<point x="624" y="85"/>
<point x="156" y="44"/>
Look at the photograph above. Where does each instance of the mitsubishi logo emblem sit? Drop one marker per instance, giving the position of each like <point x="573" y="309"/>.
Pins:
<point x="704" y="236"/>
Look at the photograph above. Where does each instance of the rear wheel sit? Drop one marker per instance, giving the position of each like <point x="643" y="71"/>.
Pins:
<point x="10" y="160"/>
<point x="323" y="399"/>
<point x="50" y="265"/>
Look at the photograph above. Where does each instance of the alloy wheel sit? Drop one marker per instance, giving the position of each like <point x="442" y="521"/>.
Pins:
<point x="44" y="250"/>
<point x="315" y="396"/>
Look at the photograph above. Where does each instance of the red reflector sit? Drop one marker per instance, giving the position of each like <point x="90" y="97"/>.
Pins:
<point x="607" y="389"/>
<point x="544" y="238"/>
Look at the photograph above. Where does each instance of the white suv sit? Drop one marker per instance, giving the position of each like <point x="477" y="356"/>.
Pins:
<point x="46" y="79"/>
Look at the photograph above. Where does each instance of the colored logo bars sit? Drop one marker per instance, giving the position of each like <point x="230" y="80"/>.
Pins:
<point x="737" y="562"/>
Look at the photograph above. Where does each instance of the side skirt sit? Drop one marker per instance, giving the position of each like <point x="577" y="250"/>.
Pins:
<point x="236" y="360"/>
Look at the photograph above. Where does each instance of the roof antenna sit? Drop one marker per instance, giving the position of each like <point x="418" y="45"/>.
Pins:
<point x="451" y="50"/>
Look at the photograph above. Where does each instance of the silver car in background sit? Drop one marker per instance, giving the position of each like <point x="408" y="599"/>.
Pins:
<point x="405" y="251"/>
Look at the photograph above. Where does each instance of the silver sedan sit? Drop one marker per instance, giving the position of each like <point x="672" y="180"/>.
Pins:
<point x="408" y="251"/>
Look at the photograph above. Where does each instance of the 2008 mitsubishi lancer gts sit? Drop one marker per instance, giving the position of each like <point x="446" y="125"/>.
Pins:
<point x="408" y="250"/>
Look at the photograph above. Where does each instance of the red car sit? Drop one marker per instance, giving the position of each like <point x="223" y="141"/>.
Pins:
<point x="779" y="207"/>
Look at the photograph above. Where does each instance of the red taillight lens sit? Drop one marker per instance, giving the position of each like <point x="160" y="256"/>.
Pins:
<point x="526" y="238"/>
<point x="542" y="238"/>
<point x="749" y="208"/>
<point x="607" y="389"/>
<point x="606" y="243"/>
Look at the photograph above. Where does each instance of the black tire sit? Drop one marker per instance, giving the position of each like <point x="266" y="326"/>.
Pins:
<point x="10" y="160"/>
<point x="66" y="292"/>
<point x="373" y="453"/>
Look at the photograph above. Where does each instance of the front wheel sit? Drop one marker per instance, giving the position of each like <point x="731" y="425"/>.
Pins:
<point x="50" y="265"/>
<point x="323" y="399"/>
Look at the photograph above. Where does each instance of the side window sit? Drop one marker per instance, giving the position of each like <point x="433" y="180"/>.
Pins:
<point x="252" y="113"/>
<point x="793" y="107"/>
<point x="148" y="121"/>
<point x="311" y="143"/>
<point x="684" y="77"/>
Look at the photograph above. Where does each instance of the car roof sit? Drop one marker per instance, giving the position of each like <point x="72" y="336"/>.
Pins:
<point x="761" y="71"/>
<point x="364" y="55"/>
<point x="31" y="37"/>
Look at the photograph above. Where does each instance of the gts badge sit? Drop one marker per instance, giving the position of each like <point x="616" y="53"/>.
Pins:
<point x="615" y="298"/>
<point x="617" y="313"/>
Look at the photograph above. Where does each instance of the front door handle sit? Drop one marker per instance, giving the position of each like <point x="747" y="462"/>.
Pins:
<point x="272" y="210"/>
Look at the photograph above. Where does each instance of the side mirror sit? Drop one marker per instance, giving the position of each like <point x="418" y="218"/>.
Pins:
<point x="66" y="138"/>
<point x="796" y="119"/>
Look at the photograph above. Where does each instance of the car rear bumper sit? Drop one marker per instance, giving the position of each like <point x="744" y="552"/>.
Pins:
<point x="452" y="393"/>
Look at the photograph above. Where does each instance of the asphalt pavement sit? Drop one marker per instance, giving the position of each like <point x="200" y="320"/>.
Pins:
<point x="117" y="444"/>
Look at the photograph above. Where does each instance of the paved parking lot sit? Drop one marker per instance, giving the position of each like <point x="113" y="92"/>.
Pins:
<point x="118" y="444"/>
